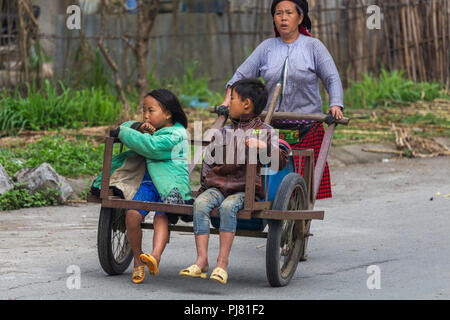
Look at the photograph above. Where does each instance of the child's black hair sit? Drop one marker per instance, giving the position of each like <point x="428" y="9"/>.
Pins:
<point x="254" y="90"/>
<point x="170" y="102"/>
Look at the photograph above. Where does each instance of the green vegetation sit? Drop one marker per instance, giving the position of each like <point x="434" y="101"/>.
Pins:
<point x="90" y="103"/>
<point x="72" y="158"/>
<point x="11" y="121"/>
<point x="375" y="103"/>
<point x="56" y="106"/>
<point x="390" y="89"/>
<point x="20" y="197"/>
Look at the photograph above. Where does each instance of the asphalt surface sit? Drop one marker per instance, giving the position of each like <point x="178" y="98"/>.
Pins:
<point x="385" y="236"/>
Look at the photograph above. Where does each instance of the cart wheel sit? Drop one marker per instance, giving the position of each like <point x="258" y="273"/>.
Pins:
<point x="284" y="244"/>
<point x="304" y="255"/>
<point x="114" y="251"/>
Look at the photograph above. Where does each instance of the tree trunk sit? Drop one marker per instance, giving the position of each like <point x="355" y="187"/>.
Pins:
<point x="147" y="12"/>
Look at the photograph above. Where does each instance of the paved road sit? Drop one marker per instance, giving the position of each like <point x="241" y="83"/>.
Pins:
<point x="381" y="215"/>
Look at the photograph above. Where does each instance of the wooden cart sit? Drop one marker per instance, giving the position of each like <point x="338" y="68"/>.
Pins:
<point x="287" y="209"/>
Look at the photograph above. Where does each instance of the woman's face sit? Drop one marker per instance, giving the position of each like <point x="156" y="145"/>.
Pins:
<point x="155" y="114"/>
<point x="287" y="19"/>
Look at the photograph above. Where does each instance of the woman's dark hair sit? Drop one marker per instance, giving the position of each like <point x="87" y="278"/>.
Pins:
<point x="170" y="102"/>
<point x="254" y="90"/>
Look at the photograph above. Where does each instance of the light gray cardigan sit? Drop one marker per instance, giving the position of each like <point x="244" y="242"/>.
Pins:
<point x="308" y="60"/>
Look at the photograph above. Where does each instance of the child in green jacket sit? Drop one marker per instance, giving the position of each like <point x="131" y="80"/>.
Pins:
<point x="162" y="140"/>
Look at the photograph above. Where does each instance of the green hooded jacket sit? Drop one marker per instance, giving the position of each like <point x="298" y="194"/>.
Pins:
<point x="165" y="154"/>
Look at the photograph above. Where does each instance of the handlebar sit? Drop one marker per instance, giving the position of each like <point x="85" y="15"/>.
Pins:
<point x="319" y="117"/>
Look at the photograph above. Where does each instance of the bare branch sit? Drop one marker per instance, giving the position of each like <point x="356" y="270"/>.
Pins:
<point x="129" y="44"/>
<point x="30" y="13"/>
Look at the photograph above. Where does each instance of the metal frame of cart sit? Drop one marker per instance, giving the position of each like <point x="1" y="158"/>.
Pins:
<point x="288" y="216"/>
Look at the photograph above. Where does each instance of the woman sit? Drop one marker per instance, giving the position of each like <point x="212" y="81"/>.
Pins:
<point x="296" y="60"/>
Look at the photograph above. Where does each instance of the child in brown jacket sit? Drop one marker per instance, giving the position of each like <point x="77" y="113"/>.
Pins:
<point x="224" y="171"/>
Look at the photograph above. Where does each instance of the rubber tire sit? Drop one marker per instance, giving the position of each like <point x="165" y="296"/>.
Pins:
<point x="104" y="245"/>
<point x="275" y="276"/>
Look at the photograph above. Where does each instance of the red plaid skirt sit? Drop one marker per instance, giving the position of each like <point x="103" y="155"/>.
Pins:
<point x="313" y="140"/>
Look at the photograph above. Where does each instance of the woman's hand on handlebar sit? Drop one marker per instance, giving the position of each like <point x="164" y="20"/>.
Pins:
<point x="336" y="112"/>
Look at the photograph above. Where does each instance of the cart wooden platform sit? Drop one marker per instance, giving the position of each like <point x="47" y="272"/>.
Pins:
<point x="286" y="212"/>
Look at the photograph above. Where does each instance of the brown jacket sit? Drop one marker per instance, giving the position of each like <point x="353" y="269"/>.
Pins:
<point x="229" y="177"/>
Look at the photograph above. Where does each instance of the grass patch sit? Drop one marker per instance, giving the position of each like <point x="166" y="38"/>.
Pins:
<point x="19" y="197"/>
<point x="56" y="106"/>
<point x="73" y="158"/>
<point x="390" y="89"/>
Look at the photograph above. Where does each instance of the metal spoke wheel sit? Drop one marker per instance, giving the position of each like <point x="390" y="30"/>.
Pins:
<point x="285" y="239"/>
<point x="114" y="251"/>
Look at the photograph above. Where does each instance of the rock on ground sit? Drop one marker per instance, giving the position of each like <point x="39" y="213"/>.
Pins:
<point x="44" y="177"/>
<point x="6" y="183"/>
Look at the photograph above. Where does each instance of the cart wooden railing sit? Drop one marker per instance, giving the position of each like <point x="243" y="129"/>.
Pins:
<point x="252" y="208"/>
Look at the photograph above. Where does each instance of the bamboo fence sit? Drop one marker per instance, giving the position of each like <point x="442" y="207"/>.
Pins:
<point x="414" y="37"/>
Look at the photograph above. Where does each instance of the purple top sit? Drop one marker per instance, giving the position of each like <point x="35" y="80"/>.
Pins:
<point x="307" y="61"/>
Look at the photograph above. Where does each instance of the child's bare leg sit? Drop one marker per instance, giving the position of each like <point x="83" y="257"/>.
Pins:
<point x="201" y="241"/>
<point x="160" y="235"/>
<point x="134" y="233"/>
<point x="226" y="240"/>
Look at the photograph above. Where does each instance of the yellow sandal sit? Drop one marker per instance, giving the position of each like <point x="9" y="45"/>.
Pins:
<point x="150" y="262"/>
<point x="193" y="271"/>
<point x="138" y="274"/>
<point x="219" y="275"/>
